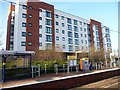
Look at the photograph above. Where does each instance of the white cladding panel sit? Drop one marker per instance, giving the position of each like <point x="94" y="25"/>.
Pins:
<point x="59" y="34"/>
<point x="18" y="29"/>
<point x="106" y="39"/>
<point x="42" y="30"/>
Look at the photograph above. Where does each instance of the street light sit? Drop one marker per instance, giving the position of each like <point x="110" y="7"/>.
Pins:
<point x="118" y="59"/>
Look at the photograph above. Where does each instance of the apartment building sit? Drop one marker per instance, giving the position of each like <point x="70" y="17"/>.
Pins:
<point x="39" y="26"/>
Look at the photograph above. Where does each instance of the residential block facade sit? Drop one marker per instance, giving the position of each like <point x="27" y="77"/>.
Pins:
<point x="38" y="26"/>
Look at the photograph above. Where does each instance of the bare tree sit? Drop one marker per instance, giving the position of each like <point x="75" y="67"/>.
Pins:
<point x="47" y="55"/>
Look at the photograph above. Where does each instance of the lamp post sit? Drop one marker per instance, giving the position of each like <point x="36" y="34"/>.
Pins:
<point x="118" y="59"/>
<point x="4" y="67"/>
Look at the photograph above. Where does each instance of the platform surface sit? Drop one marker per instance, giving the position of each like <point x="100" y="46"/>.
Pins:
<point x="50" y="78"/>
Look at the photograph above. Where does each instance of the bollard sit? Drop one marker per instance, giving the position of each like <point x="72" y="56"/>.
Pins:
<point x="56" y="68"/>
<point x="77" y="68"/>
<point x="68" y="71"/>
<point x="32" y="71"/>
<point x="63" y="67"/>
<point x="71" y="69"/>
<point x="96" y="66"/>
<point x="45" y="68"/>
<point x="39" y="70"/>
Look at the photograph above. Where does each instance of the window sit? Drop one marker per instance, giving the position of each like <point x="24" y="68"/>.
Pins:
<point x="57" y="23"/>
<point x="57" y="31"/>
<point x="80" y="23"/>
<point x="82" y="48"/>
<point x="40" y="18"/>
<point x="48" y="46"/>
<point x="62" y="17"/>
<point x="108" y="39"/>
<point x="96" y="32"/>
<point x="85" y="35"/>
<point x="63" y="24"/>
<point x="11" y="34"/>
<point x="76" y="48"/>
<point x="24" y="6"/>
<point x="108" y="45"/>
<point x="30" y="15"/>
<point x="76" y="42"/>
<point x="49" y="38"/>
<point x="48" y="30"/>
<point x="96" y="27"/>
<point x="57" y="45"/>
<point x="69" y="34"/>
<point x="85" y="41"/>
<point x="107" y="30"/>
<point x="69" y="27"/>
<point x="11" y="43"/>
<point x="63" y="46"/>
<point x="40" y="26"/>
<point x="70" y="41"/>
<point x="70" y="48"/>
<point x="30" y="43"/>
<point x="56" y="16"/>
<point x="81" y="41"/>
<point x="11" y="47"/>
<point x="63" y="38"/>
<point x="98" y="44"/>
<point x="81" y="35"/>
<point x="40" y="44"/>
<point x="57" y="38"/>
<point x="84" y="29"/>
<point x="40" y="35"/>
<point x="30" y="7"/>
<point x="24" y="34"/>
<point x="48" y="22"/>
<point x="48" y="14"/>
<point x="63" y="31"/>
<point x="30" y="24"/>
<point x="23" y="24"/>
<point x="23" y="15"/>
<point x="107" y="35"/>
<point x="23" y="43"/>
<point x="97" y="38"/>
<point x="84" y="24"/>
<point x="75" y="22"/>
<point x="69" y="21"/>
<point x="76" y="35"/>
<point x="76" y="28"/>
<point x="80" y="29"/>
<point x="29" y="33"/>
